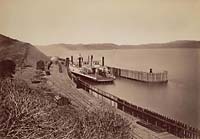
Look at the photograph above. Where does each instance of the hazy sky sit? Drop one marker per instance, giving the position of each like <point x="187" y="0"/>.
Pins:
<point x="98" y="21"/>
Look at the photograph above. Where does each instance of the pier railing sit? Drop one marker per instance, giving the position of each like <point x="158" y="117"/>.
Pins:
<point x="140" y="75"/>
<point x="154" y="121"/>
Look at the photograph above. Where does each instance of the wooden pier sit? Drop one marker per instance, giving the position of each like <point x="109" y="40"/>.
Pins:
<point x="154" y="121"/>
<point x="151" y="77"/>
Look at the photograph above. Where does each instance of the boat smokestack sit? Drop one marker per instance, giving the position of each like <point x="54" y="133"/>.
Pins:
<point x="67" y="62"/>
<point x="72" y="60"/>
<point x="102" y="61"/>
<point x="79" y="61"/>
<point x="91" y="60"/>
<point x="88" y="60"/>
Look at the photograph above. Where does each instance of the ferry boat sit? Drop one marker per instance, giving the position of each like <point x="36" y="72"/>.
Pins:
<point x="92" y="70"/>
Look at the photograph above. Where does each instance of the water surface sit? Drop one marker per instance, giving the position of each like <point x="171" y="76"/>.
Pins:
<point x="178" y="99"/>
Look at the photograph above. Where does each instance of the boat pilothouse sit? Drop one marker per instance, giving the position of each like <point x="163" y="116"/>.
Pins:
<point x="92" y="70"/>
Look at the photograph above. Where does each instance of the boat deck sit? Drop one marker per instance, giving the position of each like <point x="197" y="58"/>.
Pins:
<point x="101" y="78"/>
<point x="94" y="77"/>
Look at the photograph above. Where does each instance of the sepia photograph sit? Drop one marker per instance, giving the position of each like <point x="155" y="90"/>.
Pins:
<point x="99" y="69"/>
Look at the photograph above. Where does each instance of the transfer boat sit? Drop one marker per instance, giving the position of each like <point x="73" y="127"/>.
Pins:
<point x="91" y="70"/>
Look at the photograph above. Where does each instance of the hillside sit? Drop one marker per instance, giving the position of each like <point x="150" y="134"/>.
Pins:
<point x="22" y="53"/>
<point x="110" y="46"/>
<point x="100" y="46"/>
<point x="173" y="44"/>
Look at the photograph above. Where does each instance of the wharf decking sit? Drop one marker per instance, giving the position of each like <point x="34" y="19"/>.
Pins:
<point x="158" y="77"/>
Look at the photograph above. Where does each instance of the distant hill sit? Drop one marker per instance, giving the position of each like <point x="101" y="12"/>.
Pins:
<point x="110" y="46"/>
<point x="22" y="53"/>
<point x="98" y="46"/>
<point x="173" y="44"/>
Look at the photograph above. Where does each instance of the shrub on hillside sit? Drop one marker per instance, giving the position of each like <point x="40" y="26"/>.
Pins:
<point x="7" y="68"/>
<point x="27" y="114"/>
<point x="40" y="65"/>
